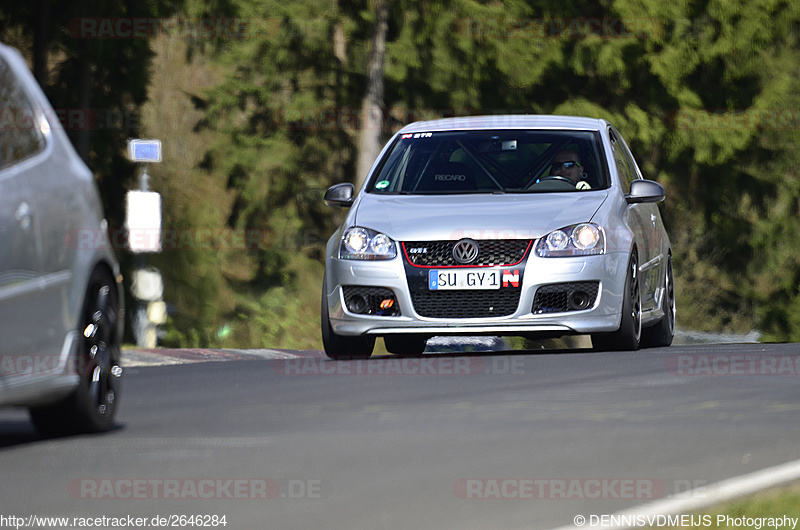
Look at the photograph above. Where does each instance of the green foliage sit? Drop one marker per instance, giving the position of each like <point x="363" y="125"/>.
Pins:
<point x="282" y="316"/>
<point x="273" y="147"/>
<point x="705" y="92"/>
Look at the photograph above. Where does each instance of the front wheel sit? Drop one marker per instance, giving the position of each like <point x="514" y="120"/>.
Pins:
<point x="340" y="347"/>
<point x="662" y="333"/>
<point x="93" y="405"/>
<point x="629" y="334"/>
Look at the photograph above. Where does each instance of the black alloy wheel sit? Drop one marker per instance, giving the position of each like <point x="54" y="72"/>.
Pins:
<point x="93" y="405"/>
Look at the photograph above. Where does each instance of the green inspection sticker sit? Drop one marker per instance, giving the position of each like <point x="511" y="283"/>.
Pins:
<point x="382" y="184"/>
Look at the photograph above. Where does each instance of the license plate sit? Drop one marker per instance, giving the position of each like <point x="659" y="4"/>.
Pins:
<point x="458" y="279"/>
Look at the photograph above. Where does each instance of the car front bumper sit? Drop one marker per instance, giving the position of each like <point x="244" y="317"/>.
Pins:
<point x="602" y="316"/>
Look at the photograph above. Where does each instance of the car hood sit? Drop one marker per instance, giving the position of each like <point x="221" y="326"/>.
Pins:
<point x="484" y="216"/>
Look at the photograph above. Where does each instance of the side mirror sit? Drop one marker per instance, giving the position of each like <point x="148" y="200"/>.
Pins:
<point x="645" y="191"/>
<point x="340" y="194"/>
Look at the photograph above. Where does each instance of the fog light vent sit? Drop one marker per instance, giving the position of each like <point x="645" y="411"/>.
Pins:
<point x="378" y="301"/>
<point x="563" y="297"/>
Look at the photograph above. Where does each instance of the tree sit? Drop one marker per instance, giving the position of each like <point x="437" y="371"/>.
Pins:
<point x="370" y="138"/>
<point x="286" y="130"/>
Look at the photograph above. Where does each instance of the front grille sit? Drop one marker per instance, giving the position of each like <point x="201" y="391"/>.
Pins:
<point x="367" y="301"/>
<point x="563" y="297"/>
<point x="493" y="252"/>
<point x="466" y="304"/>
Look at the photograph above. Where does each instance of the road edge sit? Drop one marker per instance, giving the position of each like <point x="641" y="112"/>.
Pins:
<point x="706" y="496"/>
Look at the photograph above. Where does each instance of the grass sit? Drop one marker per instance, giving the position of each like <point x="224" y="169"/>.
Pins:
<point x="755" y="509"/>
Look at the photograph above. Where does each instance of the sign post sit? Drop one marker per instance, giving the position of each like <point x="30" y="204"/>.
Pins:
<point x="143" y="224"/>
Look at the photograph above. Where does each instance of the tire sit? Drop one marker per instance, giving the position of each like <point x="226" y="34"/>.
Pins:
<point x="92" y="407"/>
<point x="628" y="336"/>
<point x="663" y="332"/>
<point x="340" y="347"/>
<point x="405" y="344"/>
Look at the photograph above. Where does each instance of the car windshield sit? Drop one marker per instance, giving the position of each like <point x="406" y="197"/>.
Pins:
<point x="491" y="161"/>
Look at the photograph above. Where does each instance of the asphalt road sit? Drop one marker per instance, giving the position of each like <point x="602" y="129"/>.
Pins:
<point x="503" y="440"/>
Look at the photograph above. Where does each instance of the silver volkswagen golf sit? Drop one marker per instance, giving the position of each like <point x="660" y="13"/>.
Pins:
<point x="61" y="305"/>
<point x="534" y="226"/>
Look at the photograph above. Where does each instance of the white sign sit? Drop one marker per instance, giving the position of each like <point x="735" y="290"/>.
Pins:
<point x="143" y="221"/>
<point x="147" y="285"/>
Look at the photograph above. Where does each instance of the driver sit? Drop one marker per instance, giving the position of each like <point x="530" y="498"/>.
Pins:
<point x="567" y="164"/>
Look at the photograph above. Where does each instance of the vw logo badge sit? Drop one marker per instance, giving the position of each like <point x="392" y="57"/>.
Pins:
<point x="465" y="251"/>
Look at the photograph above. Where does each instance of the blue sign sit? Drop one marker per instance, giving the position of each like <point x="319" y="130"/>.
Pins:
<point x="144" y="151"/>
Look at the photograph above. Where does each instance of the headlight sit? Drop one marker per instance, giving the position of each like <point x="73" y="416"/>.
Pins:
<point x="585" y="239"/>
<point x="355" y="240"/>
<point x="557" y="240"/>
<point x="364" y="244"/>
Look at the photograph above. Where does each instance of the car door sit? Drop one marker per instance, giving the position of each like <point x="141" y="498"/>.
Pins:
<point x="644" y="219"/>
<point x="22" y="298"/>
<point x="19" y="272"/>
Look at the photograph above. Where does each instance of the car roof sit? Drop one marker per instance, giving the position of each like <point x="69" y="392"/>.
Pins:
<point x="511" y="121"/>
